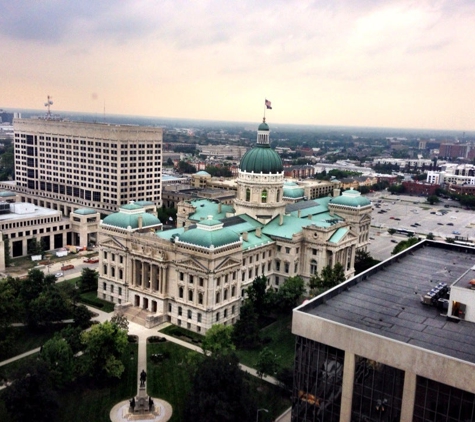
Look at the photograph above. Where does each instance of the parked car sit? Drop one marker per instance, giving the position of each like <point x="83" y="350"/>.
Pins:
<point x="60" y="274"/>
<point x="450" y="224"/>
<point x="455" y="232"/>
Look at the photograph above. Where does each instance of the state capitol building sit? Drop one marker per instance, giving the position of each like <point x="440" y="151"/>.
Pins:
<point x="196" y="275"/>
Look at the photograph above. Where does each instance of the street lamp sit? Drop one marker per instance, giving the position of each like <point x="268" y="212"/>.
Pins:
<point x="260" y="410"/>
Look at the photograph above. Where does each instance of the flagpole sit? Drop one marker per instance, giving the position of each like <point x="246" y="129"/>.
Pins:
<point x="265" y="109"/>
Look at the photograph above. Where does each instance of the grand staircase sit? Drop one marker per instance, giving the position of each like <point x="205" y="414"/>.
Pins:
<point x="141" y="316"/>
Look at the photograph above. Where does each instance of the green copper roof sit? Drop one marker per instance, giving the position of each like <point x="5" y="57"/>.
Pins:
<point x="207" y="207"/>
<point x="144" y="203"/>
<point x="263" y="126"/>
<point x="351" y="198"/>
<point x="338" y="235"/>
<point x="292" y="190"/>
<point x="208" y="234"/>
<point x="85" y="211"/>
<point x="132" y="206"/>
<point x="261" y="159"/>
<point x="128" y="216"/>
<point x="7" y="194"/>
<point x="202" y="173"/>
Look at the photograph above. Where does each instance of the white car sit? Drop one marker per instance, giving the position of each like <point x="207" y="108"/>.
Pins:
<point x="60" y="274"/>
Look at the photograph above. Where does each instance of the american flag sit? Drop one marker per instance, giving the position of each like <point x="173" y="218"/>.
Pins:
<point x="268" y="105"/>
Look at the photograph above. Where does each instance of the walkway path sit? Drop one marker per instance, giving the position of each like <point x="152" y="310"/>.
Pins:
<point x="143" y="333"/>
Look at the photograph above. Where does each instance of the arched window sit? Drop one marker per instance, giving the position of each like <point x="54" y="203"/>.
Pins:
<point x="248" y="194"/>
<point x="217" y="297"/>
<point x="225" y="294"/>
<point x="278" y="195"/>
<point x="313" y="267"/>
<point x="233" y="291"/>
<point x="264" y="196"/>
<point x="180" y="292"/>
<point x="190" y="295"/>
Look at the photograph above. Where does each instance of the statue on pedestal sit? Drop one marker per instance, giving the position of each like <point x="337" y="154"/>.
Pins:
<point x="143" y="378"/>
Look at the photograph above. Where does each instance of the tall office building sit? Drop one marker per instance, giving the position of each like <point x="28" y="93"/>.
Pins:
<point x="67" y="165"/>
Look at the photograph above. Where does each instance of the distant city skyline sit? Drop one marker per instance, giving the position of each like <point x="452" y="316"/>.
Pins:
<point x="366" y="63"/>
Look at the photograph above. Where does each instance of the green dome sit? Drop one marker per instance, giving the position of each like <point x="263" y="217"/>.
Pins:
<point x="263" y="126"/>
<point x="208" y="234"/>
<point x="261" y="159"/>
<point x="125" y="220"/>
<point x="351" y="198"/>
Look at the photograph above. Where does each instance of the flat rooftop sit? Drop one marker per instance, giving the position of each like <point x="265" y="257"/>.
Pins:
<point x="386" y="300"/>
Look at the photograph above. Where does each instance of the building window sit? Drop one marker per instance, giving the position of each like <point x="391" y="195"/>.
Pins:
<point x="190" y="279"/>
<point x="104" y="286"/>
<point x="277" y="281"/>
<point x="200" y="298"/>
<point x="120" y="291"/>
<point x="225" y="313"/>
<point x="217" y="316"/>
<point x="277" y="265"/>
<point x="182" y="277"/>
<point x="179" y="311"/>
<point x="264" y="196"/>
<point x="180" y="292"/>
<point x="190" y="295"/>
<point x="248" y="195"/>
<point x="313" y="267"/>
<point x="201" y="282"/>
<point x="286" y="267"/>
<point x="225" y="294"/>
<point x="189" y="314"/>
<point x="199" y="317"/>
<point x="217" y="297"/>
<point x="233" y="291"/>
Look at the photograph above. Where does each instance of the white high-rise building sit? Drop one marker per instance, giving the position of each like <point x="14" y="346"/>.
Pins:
<point x="68" y="165"/>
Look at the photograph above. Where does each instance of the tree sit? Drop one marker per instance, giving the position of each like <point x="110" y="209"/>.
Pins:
<point x="73" y="337"/>
<point x="122" y="321"/>
<point x="219" y="392"/>
<point x="405" y="244"/>
<point x="246" y="329"/>
<point x="391" y="231"/>
<point x="31" y="396"/>
<point x="328" y="278"/>
<point x="289" y="293"/>
<point x="9" y="308"/>
<point x="58" y="356"/>
<point x="257" y="293"/>
<point x="185" y="167"/>
<point x="430" y="236"/>
<point x="267" y="363"/>
<point x="49" y="306"/>
<point x="433" y="199"/>
<point x="82" y="317"/>
<point x="7" y="250"/>
<point x="218" y="340"/>
<point x="35" y="247"/>
<point x="88" y="280"/>
<point x="103" y="347"/>
<point x="363" y="261"/>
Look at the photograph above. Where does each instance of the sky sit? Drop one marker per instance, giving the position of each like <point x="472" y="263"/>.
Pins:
<point x="377" y="63"/>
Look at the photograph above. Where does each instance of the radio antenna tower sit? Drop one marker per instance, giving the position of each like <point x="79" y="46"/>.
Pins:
<point x="48" y="104"/>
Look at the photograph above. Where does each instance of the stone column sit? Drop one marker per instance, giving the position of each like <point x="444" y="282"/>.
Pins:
<point x="408" y="396"/>
<point x="347" y="387"/>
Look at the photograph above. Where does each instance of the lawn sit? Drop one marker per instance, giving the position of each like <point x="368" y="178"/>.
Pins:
<point x="182" y="333"/>
<point x="280" y="340"/>
<point x="88" y="402"/>
<point x="91" y="299"/>
<point x="26" y="339"/>
<point x="170" y="381"/>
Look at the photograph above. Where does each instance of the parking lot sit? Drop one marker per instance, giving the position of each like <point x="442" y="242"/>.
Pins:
<point x="414" y="213"/>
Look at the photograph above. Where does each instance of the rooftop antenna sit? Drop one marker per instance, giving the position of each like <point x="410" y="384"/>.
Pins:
<point x="48" y="104"/>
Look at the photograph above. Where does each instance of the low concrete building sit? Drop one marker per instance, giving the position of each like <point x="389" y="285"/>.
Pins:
<point x="390" y="344"/>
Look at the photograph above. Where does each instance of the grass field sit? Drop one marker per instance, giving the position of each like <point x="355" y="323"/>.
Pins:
<point x="91" y="299"/>
<point x="170" y="380"/>
<point x="26" y="339"/>
<point x="282" y="342"/>
<point x="92" y="403"/>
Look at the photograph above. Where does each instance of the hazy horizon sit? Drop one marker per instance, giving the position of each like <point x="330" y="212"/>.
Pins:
<point x="357" y="63"/>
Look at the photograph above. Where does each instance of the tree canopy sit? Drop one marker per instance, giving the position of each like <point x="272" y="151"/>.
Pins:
<point x="219" y="392"/>
<point x="218" y="340"/>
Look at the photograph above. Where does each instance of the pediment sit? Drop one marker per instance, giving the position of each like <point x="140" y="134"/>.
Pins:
<point x="191" y="264"/>
<point x="227" y="263"/>
<point x="112" y="242"/>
